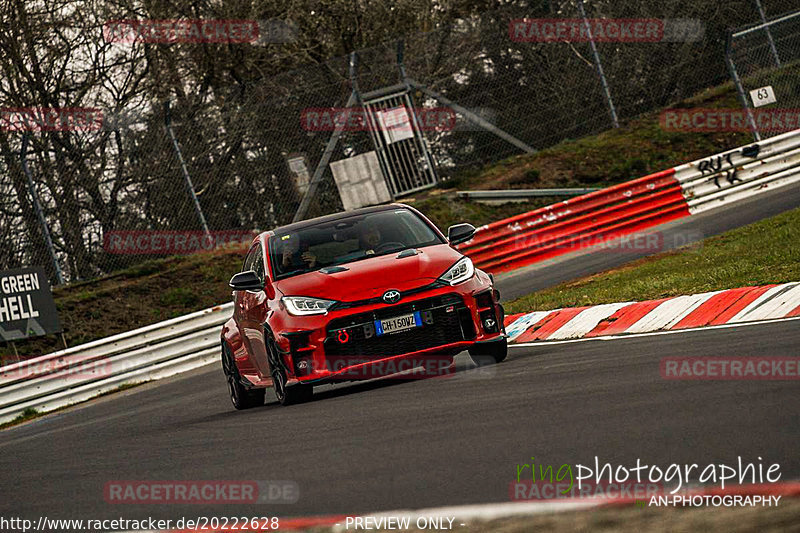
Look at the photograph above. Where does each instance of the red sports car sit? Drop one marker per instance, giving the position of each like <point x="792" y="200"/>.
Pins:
<point x="354" y="296"/>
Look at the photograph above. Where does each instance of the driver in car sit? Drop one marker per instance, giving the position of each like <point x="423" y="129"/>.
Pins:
<point x="369" y="238"/>
<point x="291" y="256"/>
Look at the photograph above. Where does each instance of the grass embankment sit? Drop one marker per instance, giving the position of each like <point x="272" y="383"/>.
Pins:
<point x="759" y="254"/>
<point x="165" y="288"/>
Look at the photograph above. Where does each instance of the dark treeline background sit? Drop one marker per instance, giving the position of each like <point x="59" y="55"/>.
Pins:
<point x="236" y="107"/>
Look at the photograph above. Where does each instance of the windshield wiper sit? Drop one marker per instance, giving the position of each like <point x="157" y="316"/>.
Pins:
<point x="294" y="273"/>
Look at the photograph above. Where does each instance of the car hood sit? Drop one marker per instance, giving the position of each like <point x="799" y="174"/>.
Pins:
<point x="370" y="278"/>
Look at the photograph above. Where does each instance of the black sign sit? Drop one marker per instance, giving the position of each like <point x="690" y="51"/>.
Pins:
<point x="27" y="308"/>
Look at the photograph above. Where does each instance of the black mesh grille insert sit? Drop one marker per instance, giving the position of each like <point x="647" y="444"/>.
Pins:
<point x="449" y="318"/>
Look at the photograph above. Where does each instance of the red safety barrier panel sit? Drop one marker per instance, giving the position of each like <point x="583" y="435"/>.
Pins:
<point x="577" y="223"/>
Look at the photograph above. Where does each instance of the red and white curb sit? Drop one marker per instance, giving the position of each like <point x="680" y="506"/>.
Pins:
<point x="746" y="304"/>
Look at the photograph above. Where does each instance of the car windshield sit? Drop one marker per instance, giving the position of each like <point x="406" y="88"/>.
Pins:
<point x="348" y="239"/>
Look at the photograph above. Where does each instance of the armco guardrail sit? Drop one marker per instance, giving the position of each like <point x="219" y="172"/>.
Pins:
<point x="636" y="205"/>
<point x="81" y="372"/>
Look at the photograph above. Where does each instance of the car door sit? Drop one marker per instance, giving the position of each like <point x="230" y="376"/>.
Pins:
<point x="252" y="307"/>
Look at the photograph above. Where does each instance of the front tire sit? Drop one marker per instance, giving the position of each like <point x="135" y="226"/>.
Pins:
<point x="489" y="353"/>
<point x="286" y="395"/>
<point x="241" y="397"/>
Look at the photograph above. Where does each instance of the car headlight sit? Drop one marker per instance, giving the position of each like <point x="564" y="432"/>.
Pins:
<point x="461" y="271"/>
<point x="303" y="305"/>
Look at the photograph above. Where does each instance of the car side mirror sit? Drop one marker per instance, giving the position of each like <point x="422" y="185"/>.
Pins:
<point x="246" y="281"/>
<point x="460" y="233"/>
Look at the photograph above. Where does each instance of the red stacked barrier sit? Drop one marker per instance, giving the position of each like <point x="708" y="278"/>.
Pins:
<point x="577" y="223"/>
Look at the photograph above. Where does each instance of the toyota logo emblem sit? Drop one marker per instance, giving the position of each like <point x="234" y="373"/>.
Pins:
<point x="391" y="297"/>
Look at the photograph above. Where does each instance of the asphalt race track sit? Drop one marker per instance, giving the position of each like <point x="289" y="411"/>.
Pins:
<point x="405" y="444"/>
<point x="683" y="231"/>
<point x="391" y="444"/>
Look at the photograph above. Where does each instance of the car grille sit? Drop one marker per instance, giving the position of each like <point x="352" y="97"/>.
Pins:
<point x="451" y="322"/>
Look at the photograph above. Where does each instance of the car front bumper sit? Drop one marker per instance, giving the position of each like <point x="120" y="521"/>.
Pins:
<point x="343" y="344"/>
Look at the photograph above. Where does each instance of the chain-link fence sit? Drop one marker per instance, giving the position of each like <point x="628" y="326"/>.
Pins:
<point x="764" y="61"/>
<point x="249" y="154"/>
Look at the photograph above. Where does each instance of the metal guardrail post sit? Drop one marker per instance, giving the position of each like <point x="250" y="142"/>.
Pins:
<point x="186" y="177"/>
<point x="39" y="213"/>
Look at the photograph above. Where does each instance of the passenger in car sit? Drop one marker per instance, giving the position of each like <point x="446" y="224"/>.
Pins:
<point x="294" y="256"/>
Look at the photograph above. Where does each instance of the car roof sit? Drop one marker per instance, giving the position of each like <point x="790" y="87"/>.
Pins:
<point x="335" y="216"/>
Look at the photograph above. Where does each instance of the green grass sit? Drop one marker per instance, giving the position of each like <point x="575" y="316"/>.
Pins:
<point x="758" y="254"/>
<point x="28" y="414"/>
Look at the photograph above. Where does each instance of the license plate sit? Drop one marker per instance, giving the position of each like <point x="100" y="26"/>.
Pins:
<point x="398" y="323"/>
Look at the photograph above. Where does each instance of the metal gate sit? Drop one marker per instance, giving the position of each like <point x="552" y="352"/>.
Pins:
<point x="402" y="150"/>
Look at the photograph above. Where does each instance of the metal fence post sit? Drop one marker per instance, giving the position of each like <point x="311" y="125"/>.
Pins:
<point x="739" y="89"/>
<point x="769" y="33"/>
<point x="186" y="177"/>
<point x="323" y="163"/>
<point x="38" y="209"/>
<point x="599" y="65"/>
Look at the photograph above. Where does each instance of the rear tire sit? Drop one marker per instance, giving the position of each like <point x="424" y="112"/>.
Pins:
<point x="241" y="397"/>
<point x="489" y="353"/>
<point x="286" y="395"/>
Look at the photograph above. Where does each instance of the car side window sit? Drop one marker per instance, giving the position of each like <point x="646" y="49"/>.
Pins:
<point x="258" y="262"/>
<point x="248" y="259"/>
